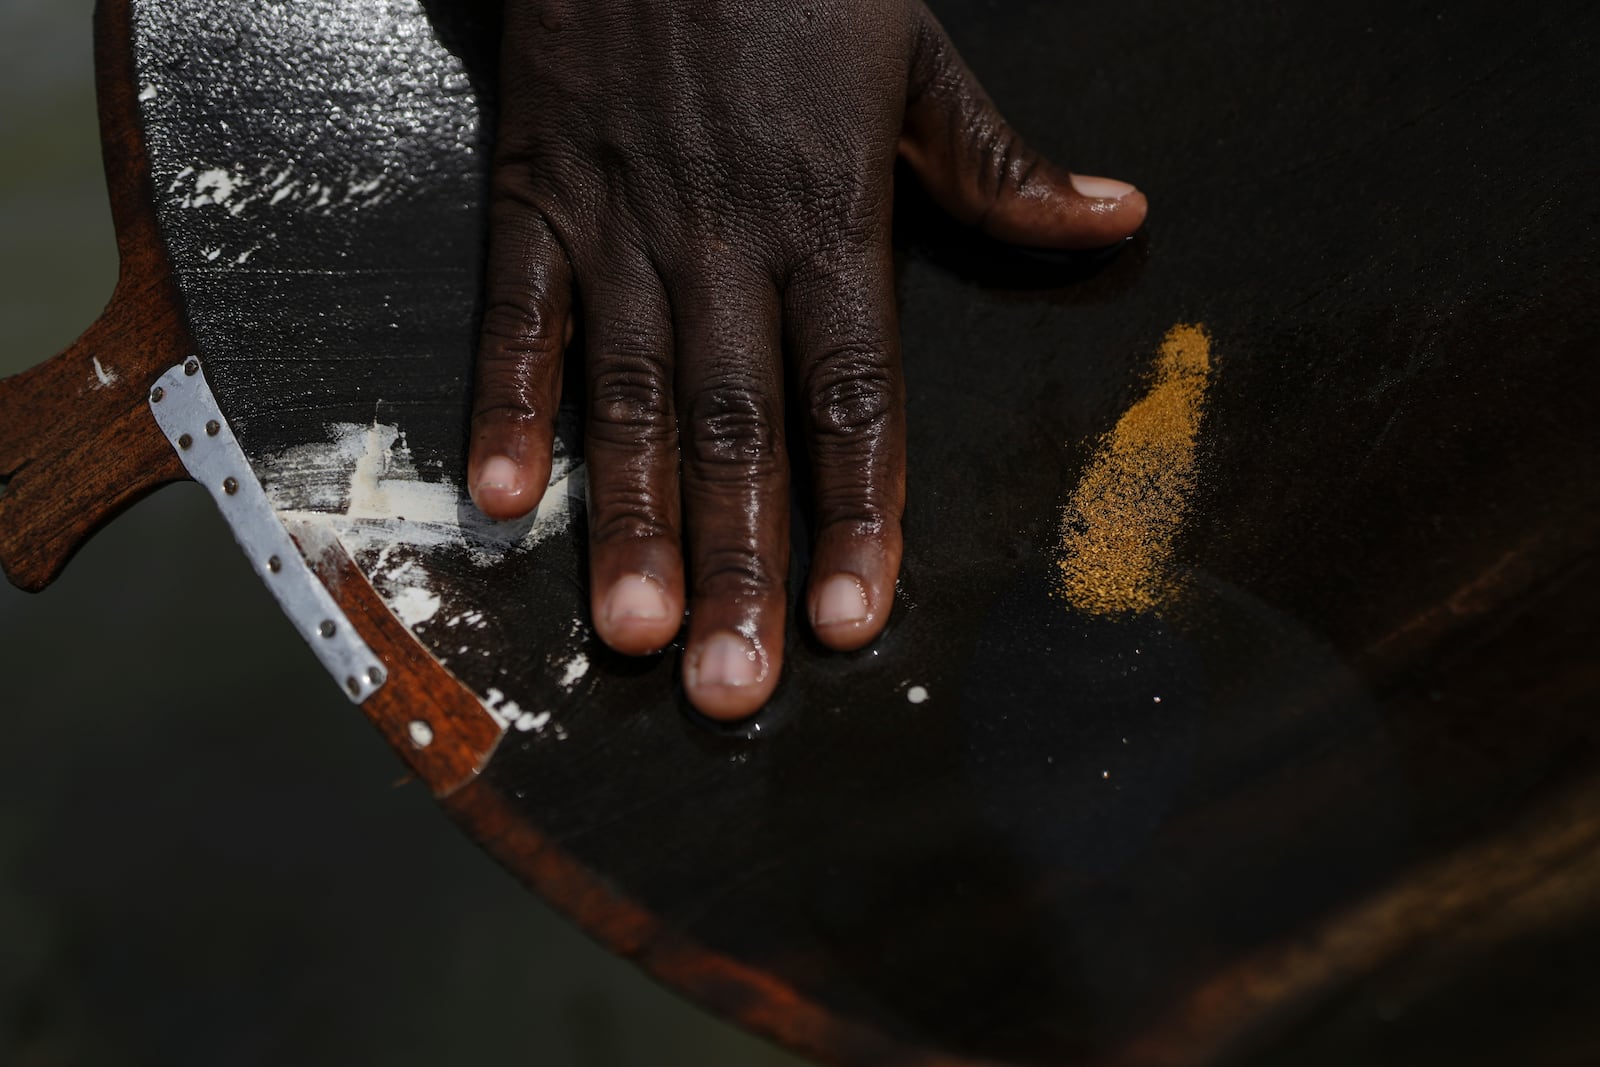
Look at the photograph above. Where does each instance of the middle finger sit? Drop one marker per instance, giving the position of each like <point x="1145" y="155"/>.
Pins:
<point x="735" y="489"/>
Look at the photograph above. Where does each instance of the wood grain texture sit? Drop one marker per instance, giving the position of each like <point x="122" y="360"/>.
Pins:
<point x="418" y="694"/>
<point x="77" y="443"/>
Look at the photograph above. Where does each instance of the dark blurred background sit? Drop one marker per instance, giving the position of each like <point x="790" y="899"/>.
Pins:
<point x="204" y="855"/>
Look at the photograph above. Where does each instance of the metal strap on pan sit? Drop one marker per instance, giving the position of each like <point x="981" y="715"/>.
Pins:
<point x="187" y="413"/>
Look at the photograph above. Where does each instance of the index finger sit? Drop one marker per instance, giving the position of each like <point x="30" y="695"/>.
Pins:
<point x="526" y="326"/>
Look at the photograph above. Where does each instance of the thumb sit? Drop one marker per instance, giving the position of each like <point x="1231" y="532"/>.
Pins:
<point x="979" y="170"/>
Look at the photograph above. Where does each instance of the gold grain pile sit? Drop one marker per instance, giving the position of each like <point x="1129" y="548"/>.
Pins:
<point x="1118" y="529"/>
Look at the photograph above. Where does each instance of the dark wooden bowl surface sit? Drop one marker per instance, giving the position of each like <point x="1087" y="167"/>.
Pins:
<point x="1240" y="696"/>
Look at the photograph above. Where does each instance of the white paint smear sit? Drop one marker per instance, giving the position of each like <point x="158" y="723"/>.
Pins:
<point x="103" y="376"/>
<point x="362" y="489"/>
<point x="364" y="485"/>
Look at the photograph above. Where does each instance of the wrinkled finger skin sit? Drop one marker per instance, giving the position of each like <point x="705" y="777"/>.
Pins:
<point x="705" y="186"/>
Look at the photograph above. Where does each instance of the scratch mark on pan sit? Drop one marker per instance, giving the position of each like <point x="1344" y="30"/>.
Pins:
<point x="104" y="377"/>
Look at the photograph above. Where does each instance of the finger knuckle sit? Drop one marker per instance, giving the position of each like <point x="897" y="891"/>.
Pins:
<point x="838" y="239"/>
<point x="736" y="570"/>
<point x="629" y="510"/>
<point x="513" y="387"/>
<point x="855" y="508"/>
<point x="629" y="400"/>
<point x="532" y="178"/>
<point x="852" y="395"/>
<point x="518" y="331"/>
<point x="733" y="430"/>
<point x="1005" y="164"/>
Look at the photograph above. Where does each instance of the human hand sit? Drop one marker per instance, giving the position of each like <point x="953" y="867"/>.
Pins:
<point x="708" y="186"/>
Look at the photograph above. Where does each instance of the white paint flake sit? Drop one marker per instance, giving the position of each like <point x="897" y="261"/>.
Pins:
<point x="505" y="712"/>
<point x="103" y="376"/>
<point x="216" y="185"/>
<point x="576" y="668"/>
<point x="511" y="717"/>
<point x="414" y="606"/>
<point x="363" y="190"/>
<point x="236" y="190"/>
<point x="529" y="721"/>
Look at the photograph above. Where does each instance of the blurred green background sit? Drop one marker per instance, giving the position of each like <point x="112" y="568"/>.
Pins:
<point x="204" y="858"/>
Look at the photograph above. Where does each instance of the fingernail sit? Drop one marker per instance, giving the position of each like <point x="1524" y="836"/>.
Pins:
<point x="841" y="600"/>
<point x="636" y="597"/>
<point x="1100" y="188"/>
<point x="727" y="660"/>
<point x="499" y="473"/>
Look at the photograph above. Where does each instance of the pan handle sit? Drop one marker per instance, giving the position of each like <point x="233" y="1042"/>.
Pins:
<point x="78" y="444"/>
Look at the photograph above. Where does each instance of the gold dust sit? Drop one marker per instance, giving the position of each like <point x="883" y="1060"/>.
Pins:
<point x="1118" y="529"/>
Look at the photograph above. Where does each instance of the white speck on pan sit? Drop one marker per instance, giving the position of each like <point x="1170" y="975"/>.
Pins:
<point x="917" y="694"/>
<point x="577" y="667"/>
<point x="529" y="721"/>
<point x="510" y="716"/>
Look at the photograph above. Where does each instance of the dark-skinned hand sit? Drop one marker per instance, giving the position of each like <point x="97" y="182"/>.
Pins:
<point x="708" y="185"/>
